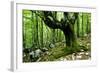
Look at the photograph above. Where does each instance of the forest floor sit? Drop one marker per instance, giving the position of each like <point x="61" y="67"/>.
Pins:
<point x="63" y="53"/>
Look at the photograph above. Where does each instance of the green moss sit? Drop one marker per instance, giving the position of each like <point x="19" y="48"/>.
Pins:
<point x="62" y="51"/>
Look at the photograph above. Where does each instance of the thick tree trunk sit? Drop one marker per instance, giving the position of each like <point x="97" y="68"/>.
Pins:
<point x="70" y="36"/>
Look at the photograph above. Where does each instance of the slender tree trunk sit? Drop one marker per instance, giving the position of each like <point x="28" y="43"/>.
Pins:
<point x="53" y="30"/>
<point x="48" y="37"/>
<point x="32" y="16"/>
<point x="89" y="19"/>
<point x="42" y="34"/>
<point x="87" y="25"/>
<point x="37" y="41"/>
<point x="82" y="25"/>
<point x="78" y="30"/>
<point x="24" y="42"/>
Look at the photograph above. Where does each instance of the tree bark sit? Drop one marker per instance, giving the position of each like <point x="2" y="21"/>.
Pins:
<point x="70" y="36"/>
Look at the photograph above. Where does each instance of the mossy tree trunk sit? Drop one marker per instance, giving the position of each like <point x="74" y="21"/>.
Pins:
<point x="70" y="36"/>
<point x="66" y="25"/>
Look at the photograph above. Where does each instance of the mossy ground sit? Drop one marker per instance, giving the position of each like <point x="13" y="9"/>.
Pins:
<point x="84" y="45"/>
<point x="62" y="52"/>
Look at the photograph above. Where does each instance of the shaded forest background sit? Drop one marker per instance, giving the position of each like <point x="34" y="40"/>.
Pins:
<point x="55" y="35"/>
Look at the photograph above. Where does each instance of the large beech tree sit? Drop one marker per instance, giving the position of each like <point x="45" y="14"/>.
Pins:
<point x="66" y="24"/>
